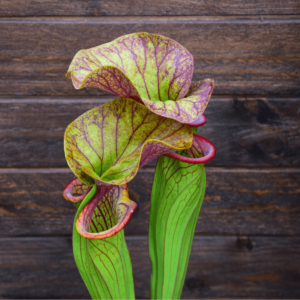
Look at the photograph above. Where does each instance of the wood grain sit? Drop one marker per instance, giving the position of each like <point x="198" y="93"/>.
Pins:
<point x="245" y="55"/>
<point x="247" y="236"/>
<point x="245" y="131"/>
<point x="220" y="266"/>
<point x="237" y="201"/>
<point x="254" y="131"/>
<point x="145" y="8"/>
<point x="32" y="130"/>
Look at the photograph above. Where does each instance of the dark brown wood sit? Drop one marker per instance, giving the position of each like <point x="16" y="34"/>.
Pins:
<point x="32" y="131"/>
<point x="245" y="55"/>
<point x="247" y="236"/>
<point x="220" y="266"/>
<point x="253" y="131"/>
<point x="246" y="132"/>
<point x="146" y="8"/>
<point x="237" y="201"/>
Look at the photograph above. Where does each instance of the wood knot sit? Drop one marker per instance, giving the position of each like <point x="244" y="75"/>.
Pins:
<point x="244" y="242"/>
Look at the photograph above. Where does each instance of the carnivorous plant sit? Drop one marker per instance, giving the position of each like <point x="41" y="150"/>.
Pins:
<point x="157" y="113"/>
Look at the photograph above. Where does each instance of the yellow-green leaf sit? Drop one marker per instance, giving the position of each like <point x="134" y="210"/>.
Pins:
<point x="110" y="143"/>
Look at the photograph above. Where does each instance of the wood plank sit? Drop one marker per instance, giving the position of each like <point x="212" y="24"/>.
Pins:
<point x="245" y="55"/>
<point x="237" y="201"/>
<point x="245" y="131"/>
<point x="253" y="131"/>
<point x="32" y="130"/>
<point x="220" y="266"/>
<point x="153" y="8"/>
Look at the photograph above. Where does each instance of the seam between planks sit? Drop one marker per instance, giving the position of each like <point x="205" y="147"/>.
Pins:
<point x="105" y="99"/>
<point x="211" y="169"/>
<point x="258" y="19"/>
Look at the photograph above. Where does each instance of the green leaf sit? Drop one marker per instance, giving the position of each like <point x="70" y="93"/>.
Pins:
<point x="75" y="191"/>
<point x="108" y="144"/>
<point x="149" y="68"/>
<point x="177" y="195"/>
<point x="158" y="67"/>
<point x="100" y="249"/>
<point x="188" y="109"/>
<point x="105" y="147"/>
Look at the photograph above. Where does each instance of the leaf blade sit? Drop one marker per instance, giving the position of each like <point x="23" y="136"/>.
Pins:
<point x="171" y="218"/>
<point x="117" y="135"/>
<point x="188" y="109"/>
<point x="158" y="67"/>
<point x="75" y="191"/>
<point x="104" y="264"/>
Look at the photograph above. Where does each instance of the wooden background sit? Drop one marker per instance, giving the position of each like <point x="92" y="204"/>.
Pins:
<point x="247" y="242"/>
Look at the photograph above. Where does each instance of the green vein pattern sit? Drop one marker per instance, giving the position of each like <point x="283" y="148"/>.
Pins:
<point x="105" y="264"/>
<point x="177" y="195"/>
